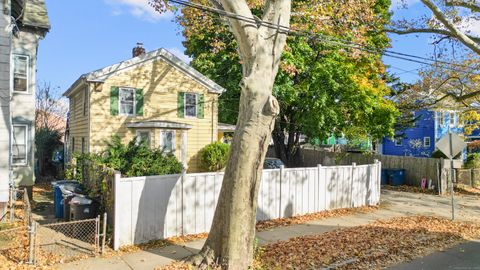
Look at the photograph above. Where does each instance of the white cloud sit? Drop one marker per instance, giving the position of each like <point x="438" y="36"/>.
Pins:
<point x="138" y="8"/>
<point x="470" y="25"/>
<point x="397" y="4"/>
<point x="179" y="53"/>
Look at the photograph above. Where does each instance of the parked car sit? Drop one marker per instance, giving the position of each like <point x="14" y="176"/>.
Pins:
<point x="272" y="163"/>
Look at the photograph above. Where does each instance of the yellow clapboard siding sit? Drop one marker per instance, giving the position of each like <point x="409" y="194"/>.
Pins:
<point x="78" y="122"/>
<point x="160" y="83"/>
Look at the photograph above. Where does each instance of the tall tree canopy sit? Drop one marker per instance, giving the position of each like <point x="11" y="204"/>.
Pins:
<point x="322" y="87"/>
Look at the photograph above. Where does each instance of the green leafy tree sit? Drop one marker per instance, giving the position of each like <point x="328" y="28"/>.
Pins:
<point x="322" y="88"/>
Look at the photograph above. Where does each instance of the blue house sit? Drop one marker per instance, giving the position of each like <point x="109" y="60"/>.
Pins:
<point x="419" y="141"/>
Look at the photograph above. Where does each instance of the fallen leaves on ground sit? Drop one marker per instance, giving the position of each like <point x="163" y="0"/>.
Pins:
<point x="272" y="223"/>
<point x="372" y="246"/>
<point x="467" y="190"/>
<point x="411" y="189"/>
<point x="176" y="240"/>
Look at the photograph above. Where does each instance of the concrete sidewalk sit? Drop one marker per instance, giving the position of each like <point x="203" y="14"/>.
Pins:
<point x="395" y="204"/>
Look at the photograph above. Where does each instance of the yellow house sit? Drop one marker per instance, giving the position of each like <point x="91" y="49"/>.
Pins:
<point x="153" y="96"/>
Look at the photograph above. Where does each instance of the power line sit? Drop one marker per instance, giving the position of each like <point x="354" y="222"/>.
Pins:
<point x="328" y="39"/>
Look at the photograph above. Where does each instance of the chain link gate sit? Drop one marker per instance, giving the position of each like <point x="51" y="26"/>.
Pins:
<point x="45" y="244"/>
<point x="68" y="241"/>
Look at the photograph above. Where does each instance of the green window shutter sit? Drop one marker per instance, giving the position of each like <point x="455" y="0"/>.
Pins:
<point x="139" y="102"/>
<point x="201" y="106"/>
<point x="114" y="100"/>
<point x="180" y="105"/>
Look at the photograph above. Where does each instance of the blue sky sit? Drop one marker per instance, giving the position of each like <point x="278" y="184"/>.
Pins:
<point x="87" y="35"/>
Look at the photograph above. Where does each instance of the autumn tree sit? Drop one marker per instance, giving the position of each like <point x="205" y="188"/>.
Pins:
<point x="50" y="119"/>
<point x="323" y="88"/>
<point x="230" y="241"/>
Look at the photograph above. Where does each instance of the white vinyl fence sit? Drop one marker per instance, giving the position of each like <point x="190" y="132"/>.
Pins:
<point x="157" y="207"/>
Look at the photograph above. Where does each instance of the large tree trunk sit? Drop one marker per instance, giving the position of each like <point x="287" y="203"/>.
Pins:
<point x="230" y="242"/>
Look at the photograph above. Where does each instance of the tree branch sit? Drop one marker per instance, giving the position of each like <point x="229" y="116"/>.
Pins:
<point x="466" y="4"/>
<point x="455" y="32"/>
<point x="429" y="31"/>
<point x="276" y="12"/>
<point x="245" y="32"/>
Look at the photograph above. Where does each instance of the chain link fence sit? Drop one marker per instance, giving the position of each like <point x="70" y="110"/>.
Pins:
<point x="23" y="240"/>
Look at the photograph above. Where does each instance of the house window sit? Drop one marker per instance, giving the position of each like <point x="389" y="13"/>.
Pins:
<point x="167" y="141"/>
<point x="190" y="105"/>
<point x="20" y="73"/>
<point x="426" y="141"/>
<point x="20" y="144"/>
<point x="127" y="101"/>
<point x="143" y="137"/>
<point x="452" y="119"/>
<point x="398" y="142"/>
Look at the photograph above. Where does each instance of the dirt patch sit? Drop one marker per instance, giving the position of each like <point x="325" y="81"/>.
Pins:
<point x="467" y="190"/>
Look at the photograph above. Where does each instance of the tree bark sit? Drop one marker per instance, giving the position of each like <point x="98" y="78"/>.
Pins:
<point x="230" y="241"/>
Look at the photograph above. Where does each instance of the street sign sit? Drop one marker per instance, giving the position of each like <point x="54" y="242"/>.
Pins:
<point x="451" y="145"/>
<point x="457" y="145"/>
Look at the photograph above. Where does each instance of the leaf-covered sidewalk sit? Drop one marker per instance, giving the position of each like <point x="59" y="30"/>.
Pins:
<point x="373" y="246"/>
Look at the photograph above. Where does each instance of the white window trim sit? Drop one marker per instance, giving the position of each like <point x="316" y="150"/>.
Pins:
<point x="120" y="102"/>
<point x="185" y="105"/>
<point x="450" y="119"/>
<point x="441" y="119"/>
<point x="425" y="141"/>
<point x="26" y="145"/>
<point x="396" y="141"/>
<point x="174" y="136"/>
<point x="27" y="92"/>
<point x="137" y="134"/>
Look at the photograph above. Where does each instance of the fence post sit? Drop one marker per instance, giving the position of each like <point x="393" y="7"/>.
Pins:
<point x="12" y="203"/>
<point x="319" y="169"/>
<point x="351" y="189"/>
<point x="97" y="234"/>
<point x="116" y="211"/>
<point x="104" y="232"/>
<point x="471" y="178"/>
<point x="280" y="215"/>
<point x="32" y="230"/>
<point x="378" y="178"/>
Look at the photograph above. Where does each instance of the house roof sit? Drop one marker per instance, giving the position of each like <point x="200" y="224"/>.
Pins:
<point x="35" y="14"/>
<point x="158" y="124"/>
<point x="222" y="127"/>
<point x="101" y="75"/>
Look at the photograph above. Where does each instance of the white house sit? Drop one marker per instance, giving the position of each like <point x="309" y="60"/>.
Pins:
<point x="22" y="24"/>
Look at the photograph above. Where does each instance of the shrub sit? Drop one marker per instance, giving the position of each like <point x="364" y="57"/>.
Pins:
<point x="473" y="161"/>
<point x="213" y="157"/>
<point x="133" y="159"/>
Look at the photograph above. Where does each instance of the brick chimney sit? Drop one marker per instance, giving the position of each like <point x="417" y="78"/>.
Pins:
<point x="138" y="50"/>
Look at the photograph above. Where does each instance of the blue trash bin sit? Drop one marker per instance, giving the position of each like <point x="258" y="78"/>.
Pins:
<point x="397" y="177"/>
<point x="61" y="188"/>
<point x="385" y="176"/>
